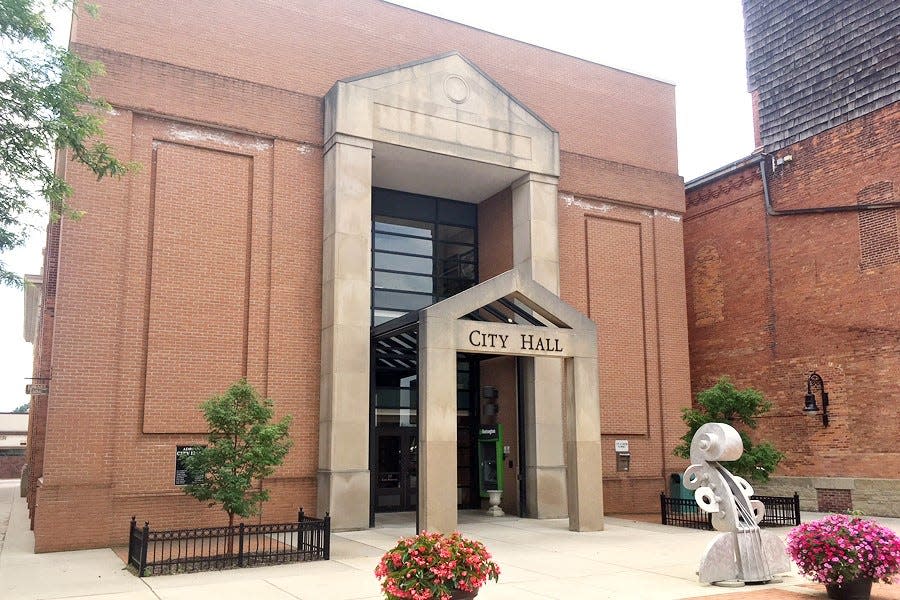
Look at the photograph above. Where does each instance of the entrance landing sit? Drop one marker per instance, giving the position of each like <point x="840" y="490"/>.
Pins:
<point x="539" y="559"/>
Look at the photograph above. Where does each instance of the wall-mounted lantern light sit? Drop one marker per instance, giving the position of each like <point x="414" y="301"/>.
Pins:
<point x="815" y="383"/>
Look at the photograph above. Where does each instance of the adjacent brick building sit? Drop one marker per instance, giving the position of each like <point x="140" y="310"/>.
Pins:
<point x="251" y="244"/>
<point x="792" y="255"/>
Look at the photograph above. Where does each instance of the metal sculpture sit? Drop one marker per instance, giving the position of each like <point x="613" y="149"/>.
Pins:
<point x="744" y="552"/>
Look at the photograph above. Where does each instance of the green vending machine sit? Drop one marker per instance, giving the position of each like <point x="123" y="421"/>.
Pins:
<point x="490" y="458"/>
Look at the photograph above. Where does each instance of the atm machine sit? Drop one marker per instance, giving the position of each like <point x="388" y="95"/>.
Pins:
<point x="490" y="458"/>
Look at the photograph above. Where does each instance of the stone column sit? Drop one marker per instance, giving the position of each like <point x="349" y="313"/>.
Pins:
<point x="437" y="425"/>
<point x="536" y="252"/>
<point x="343" y="478"/>
<point x="585" y="477"/>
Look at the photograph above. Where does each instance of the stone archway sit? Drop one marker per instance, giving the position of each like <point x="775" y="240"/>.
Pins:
<point x="571" y="337"/>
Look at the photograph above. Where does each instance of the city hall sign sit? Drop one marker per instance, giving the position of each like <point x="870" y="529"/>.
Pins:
<point x="500" y="338"/>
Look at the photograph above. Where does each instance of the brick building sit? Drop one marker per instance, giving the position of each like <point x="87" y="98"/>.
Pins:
<point x="792" y="256"/>
<point x="13" y="443"/>
<point x="316" y="175"/>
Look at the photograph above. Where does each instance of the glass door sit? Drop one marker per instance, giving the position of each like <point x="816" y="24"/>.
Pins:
<point x="397" y="458"/>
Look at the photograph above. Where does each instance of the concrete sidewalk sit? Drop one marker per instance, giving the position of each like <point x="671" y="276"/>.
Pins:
<point x="539" y="559"/>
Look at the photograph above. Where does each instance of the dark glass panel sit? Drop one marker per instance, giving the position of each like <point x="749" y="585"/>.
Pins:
<point x="404" y="301"/>
<point x="451" y="233"/>
<point x="457" y="213"/>
<point x="400" y="204"/>
<point x="455" y="252"/>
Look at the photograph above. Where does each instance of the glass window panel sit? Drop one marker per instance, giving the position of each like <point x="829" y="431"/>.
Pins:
<point x="400" y="300"/>
<point x="462" y="381"/>
<point x="403" y="205"/>
<point x="451" y="233"/>
<point x="395" y="243"/>
<point x="395" y="397"/>
<point x="404" y="226"/>
<point x="457" y="213"/>
<point x="380" y="316"/>
<point x="459" y="252"/>
<point x="400" y="262"/>
<point x="403" y="281"/>
<point x="457" y="269"/>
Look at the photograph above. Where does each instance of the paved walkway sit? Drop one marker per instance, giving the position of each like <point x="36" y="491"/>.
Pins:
<point x="539" y="560"/>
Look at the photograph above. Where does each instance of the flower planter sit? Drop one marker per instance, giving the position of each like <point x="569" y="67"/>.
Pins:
<point x="433" y="565"/>
<point x="847" y="549"/>
<point x="858" y="589"/>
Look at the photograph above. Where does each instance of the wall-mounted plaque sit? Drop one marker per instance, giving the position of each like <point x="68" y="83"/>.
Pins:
<point x="182" y="476"/>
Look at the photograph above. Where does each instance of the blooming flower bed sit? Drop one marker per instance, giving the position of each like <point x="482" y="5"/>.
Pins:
<point x="432" y="565"/>
<point x="842" y="548"/>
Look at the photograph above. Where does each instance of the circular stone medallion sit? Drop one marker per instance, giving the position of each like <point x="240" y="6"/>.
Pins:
<point x="456" y="88"/>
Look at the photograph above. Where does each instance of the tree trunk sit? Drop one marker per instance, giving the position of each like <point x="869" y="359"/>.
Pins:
<point x="229" y="546"/>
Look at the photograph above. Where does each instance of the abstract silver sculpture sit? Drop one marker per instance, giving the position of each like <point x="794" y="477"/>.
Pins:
<point x="744" y="552"/>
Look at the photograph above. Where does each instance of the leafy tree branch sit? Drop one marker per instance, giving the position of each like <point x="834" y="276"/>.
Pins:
<point x="45" y="105"/>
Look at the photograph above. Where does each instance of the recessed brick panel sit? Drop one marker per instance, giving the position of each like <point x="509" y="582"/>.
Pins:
<point x="878" y="229"/>
<point x="616" y="292"/>
<point x="199" y="277"/>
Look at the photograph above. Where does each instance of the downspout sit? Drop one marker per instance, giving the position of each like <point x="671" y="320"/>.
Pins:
<point x="771" y="211"/>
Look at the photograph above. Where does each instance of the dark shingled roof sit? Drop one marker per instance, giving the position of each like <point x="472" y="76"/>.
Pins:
<point x="819" y="63"/>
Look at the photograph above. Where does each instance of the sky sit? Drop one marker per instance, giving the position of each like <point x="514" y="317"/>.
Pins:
<point x="698" y="45"/>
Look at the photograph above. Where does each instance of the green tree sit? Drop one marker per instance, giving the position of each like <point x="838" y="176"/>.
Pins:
<point x="724" y="403"/>
<point x="243" y="448"/>
<point x="22" y="409"/>
<point x="45" y="104"/>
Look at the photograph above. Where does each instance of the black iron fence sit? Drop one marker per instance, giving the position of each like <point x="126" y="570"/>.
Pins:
<point x="781" y="511"/>
<point x="215" y="548"/>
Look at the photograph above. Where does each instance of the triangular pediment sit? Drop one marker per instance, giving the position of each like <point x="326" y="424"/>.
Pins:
<point x="445" y="105"/>
<point x="511" y="285"/>
<point x="449" y="81"/>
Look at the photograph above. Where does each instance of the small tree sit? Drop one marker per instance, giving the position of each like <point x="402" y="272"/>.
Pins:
<point x="243" y="447"/>
<point x="22" y="409"/>
<point x="724" y="403"/>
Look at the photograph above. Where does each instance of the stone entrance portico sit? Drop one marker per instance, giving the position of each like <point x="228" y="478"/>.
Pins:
<point x="570" y="338"/>
<point x="442" y="127"/>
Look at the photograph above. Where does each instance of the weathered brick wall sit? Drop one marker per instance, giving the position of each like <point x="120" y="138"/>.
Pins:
<point x="771" y="299"/>
<point x="206" y="265"/>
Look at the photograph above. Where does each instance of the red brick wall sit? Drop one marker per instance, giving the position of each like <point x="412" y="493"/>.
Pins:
<point x="11" y="466"/>
<point x="206" y="264"/>
<point x="839" y="501"/>
<point x="620" y="265"/>
<point x="305" y="46"/>
<point x="771" y="299"/>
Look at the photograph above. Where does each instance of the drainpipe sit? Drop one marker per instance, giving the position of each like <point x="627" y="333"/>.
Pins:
<point x="771" y="211"/>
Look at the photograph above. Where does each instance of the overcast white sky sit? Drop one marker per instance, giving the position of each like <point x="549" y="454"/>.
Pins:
<point x="696" y="44"/>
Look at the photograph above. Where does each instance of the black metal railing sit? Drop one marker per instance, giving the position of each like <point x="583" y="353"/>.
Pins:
<point x="781" y="511"/>
<point x="215" y="548"/>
